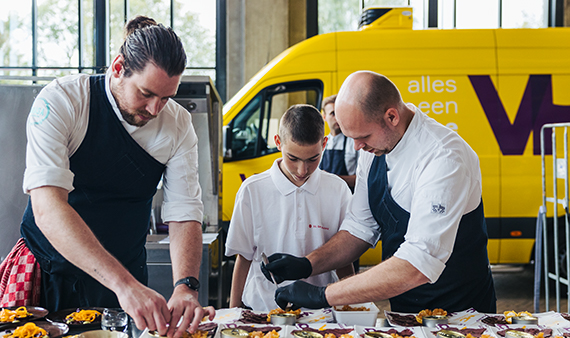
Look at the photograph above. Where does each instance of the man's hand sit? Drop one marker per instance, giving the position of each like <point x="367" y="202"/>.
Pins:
<point x="146" y="306"/>
<point x="286" y="267"/>
<point x="302" y="294"/>
<point x="184" y="304"/>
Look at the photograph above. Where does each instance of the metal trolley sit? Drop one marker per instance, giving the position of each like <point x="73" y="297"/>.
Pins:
<point x="559" y="172"/>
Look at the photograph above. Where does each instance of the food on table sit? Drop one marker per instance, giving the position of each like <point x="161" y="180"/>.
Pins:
<point x="280" y="311"/>
<point x="204" y="330"/>
<point x="330" y="335"/>
<point x="406" y="333"/>
<point x="28" y="330"/>
<point x="544" y="333"/>
<point x="473" y="332"/>
<point x="263" y="329"/>
<point x="402" y="320"/>
<point x="352" y="308"/>
<point x="12" y="316"/>
<point x="344" y="333"/>
<point x="510" y="314"/>
<point x="428" y="312"/>
<point x="260" y="334"/>
<point x="82" y="317"/>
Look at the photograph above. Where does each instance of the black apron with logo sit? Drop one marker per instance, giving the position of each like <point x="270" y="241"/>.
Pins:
<point x="333" y="160"/>
<point x="115" y="181"/>
<point x="466" y="280"/>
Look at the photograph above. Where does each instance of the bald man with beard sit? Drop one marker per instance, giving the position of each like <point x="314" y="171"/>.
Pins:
<point x="418" y="190"/>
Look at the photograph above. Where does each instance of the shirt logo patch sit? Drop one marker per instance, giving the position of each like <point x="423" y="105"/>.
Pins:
<point x="437" y="208"/>
<point x="312" y="226"/>
<point x="40" y="111"/>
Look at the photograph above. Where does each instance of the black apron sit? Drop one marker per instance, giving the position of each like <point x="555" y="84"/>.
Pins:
<point x="115" y="181"/>
<point x="333" y="160"/>
<point x="466" y="280"/>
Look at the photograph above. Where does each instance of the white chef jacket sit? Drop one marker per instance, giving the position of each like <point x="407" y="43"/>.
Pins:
<point x="350" y="154"/>
<point x="430" y="166"/>
<point x="57" y="125"/>
<point x="273" y="215"/>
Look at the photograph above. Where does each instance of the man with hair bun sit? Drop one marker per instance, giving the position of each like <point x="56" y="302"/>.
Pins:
<point x="418" y="189"/>
<point x="97" y="148"/>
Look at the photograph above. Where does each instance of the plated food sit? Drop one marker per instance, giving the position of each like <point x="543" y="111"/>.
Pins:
<point x="430" y="313"/>
<point x="40" y="329"/>
<point x="280" y="311"/>
<point x="19" y="314"/>
<point x="82" y="316"/>
<point x="78" y="318"/>
<point x="13" y="316"/>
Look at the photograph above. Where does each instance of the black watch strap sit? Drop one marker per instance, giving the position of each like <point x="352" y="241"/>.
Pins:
<point x="191" y="282"/>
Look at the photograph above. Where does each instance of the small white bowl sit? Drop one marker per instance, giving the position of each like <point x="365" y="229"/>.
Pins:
<point x="364" y="318"/>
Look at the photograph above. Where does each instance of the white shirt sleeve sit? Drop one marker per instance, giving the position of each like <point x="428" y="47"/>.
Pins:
<point x="182" y="192"/>
<point x="359" y="221"/>
<point x="241" y="238"/>
<point x="55" y="128"/>
<point x="442" y="192"/>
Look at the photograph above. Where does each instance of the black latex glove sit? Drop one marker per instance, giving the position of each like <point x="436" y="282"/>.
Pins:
<point x="302" y="294"/>
<point x="286" y="267"/>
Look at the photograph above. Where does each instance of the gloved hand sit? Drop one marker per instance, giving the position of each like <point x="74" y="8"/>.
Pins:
<point x="302" y="294"/>
<point x="286" y="267"/>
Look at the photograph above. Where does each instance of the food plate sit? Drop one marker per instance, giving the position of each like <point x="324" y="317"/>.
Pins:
<point x="469" y="317"/>
<point x="282" y="330"/>
<point x="500" y="330"/>
<point x="416" y="332"/>
<point x="326" y="328"/>
<point x="309" y="316"/>
<point x="35" y="311"/>
<point x="54" y="330"/>
<point x="475" y="331"/>
<point x="401" y="319"/>
<point x="59" y="317"/>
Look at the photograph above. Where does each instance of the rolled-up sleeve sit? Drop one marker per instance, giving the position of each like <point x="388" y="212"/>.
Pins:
<point x="182" y="192"/>
<point x="53" y="133"/>
<point x="359" y="221"/>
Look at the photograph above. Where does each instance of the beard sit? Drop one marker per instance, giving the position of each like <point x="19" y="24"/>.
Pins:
<point x="138" y="118"/>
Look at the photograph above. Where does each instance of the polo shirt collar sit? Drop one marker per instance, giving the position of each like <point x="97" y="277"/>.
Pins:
<point x="286" y="187"/>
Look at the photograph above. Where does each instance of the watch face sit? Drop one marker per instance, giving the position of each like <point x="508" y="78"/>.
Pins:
<point x="192" y="283"/>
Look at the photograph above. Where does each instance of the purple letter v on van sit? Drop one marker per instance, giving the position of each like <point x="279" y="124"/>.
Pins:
<point x="535" y="110"/>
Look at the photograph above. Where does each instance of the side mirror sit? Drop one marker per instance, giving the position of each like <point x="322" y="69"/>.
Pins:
<point x="226" y="137"/>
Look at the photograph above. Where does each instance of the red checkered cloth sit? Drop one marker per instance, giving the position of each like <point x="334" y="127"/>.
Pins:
<point x="20" y="277"/>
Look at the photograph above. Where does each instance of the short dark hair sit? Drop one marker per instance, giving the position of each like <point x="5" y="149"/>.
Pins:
<point x="380" y="95"/>
<point x="329" y="100"/>
<point x="146" y="41"/>
<point x="302" y="124"/>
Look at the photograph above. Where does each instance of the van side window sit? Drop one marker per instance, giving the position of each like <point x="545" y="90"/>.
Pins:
<point x="251" y="133"/>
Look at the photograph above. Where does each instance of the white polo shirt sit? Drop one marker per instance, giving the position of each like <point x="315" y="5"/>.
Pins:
<point x="431" y="166"/>
<point x="273" y="215"/>
<point x="57" y="125"/>
<point x="350" y="154"/>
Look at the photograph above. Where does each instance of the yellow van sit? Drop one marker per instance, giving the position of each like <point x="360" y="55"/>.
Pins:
<point x="495" y="87"/>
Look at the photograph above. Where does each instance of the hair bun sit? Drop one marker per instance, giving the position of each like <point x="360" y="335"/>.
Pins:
<point x="138" y="22"/>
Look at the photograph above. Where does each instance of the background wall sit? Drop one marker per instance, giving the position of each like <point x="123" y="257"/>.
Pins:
<point x="16" y="103"/>
<point x="258" y="31"/>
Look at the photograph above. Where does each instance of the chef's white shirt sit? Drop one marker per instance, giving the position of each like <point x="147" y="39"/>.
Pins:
<point x="273" y="215"/>
<point x="57" y="125"/>
<point x="350" y="154"/>
<point x="434" y="175"/>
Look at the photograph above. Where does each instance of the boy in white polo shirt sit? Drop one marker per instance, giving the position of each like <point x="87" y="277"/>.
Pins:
<point x="294" y="208"/>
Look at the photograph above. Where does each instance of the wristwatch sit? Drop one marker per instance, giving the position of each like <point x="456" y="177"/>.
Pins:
<point x="191" y="282"/>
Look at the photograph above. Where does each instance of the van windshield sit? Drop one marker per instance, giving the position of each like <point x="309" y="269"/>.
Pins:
<point x="252" y="131"/>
